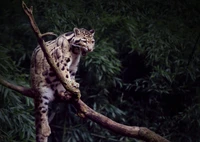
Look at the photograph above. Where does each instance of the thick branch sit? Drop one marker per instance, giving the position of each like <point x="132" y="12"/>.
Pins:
<point x="130" y="131"/>
<point x="23" y="90"/>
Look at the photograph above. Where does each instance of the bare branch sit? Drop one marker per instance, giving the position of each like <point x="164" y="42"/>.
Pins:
<point x="23" y="90"/>
<point x="29" y="13"/>
<point x="141" y="133"/>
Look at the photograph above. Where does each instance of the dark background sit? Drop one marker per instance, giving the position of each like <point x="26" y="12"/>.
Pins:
<point x="144" y="70"/>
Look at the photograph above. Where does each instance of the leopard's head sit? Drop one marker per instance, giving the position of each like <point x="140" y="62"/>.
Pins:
<point x="84" y="40"/>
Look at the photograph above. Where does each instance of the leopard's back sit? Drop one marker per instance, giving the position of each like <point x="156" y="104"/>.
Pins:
<point x="41" y="72"/>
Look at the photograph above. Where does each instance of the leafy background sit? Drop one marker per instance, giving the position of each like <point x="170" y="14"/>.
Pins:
<point x="144" y="70"/>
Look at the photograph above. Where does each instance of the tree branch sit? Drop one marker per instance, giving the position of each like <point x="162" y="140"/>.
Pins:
<point x="141" y="133"/>
<point x="23" y="90"/>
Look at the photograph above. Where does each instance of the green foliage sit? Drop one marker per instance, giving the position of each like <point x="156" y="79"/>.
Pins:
<point x="16" y="111"/>
<point x="144" y="70"/>
<point x="17" y="122"/>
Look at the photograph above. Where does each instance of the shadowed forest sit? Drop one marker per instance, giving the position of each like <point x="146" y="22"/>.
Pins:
<point x="144" y="70"/>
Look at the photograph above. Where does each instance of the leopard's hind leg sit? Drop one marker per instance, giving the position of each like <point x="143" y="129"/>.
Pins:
<point x="41" y="110"/>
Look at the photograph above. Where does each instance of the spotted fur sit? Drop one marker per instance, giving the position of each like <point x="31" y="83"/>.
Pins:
<point x="66" y="51"/>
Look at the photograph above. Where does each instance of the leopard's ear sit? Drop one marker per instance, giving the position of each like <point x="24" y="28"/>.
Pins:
<point x="76" y="31"/>
<point x="92" y="32"/>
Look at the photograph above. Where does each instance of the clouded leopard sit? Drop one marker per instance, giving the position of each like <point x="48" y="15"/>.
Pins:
<point x="66" y="51"/>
